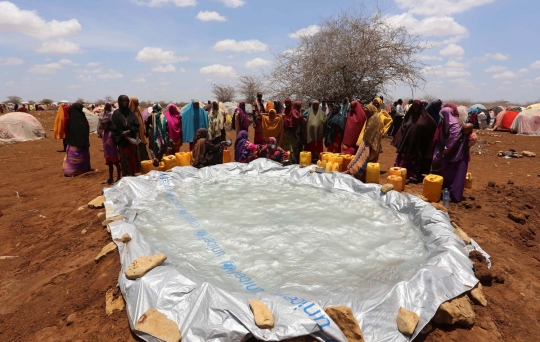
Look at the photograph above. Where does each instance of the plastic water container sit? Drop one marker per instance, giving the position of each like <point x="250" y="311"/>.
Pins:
<point x="339" y="160"/>
<point x="396" y="181"/>
<point x="324" y="156"/>
<point x="170" y="162"/>
<point x="399" y="171"/>
<point x="305" y="158"/>
<point x="226" y="156"/>
<point x="147" y="166"/>
<point x="433" y="187"/>
<point x="336" y="167"/>
<point x="183" y="158"/>
<point x="468" y="181"/>
<point x="328" y="167"/>
<point x="373" y="173"/>
<point x="162" y="167"/>
<point x="347" y="159"/>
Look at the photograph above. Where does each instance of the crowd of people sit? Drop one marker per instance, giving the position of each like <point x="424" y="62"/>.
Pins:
<point x="429" y="138"/>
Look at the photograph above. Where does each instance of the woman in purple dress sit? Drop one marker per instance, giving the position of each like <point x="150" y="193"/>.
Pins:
<point x="451" y="155"/>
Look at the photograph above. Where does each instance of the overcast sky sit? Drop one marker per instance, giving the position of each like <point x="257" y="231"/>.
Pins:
<point x="175" y="49"/>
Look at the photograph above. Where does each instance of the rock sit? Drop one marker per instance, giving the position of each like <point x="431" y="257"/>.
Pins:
<point x="105" y="251"/>
<point x="386" y="188"/>
<point x="477" y="296"/>
<point x="158" y="325"/>
<point x="71" y="319"/>
<point x="407" y="321"/>
<point x="97" y="203"/>
<point x="456" y="311"/>
<point x="439" y="206"/>
<point x="112" y="304"/>
<point x="344" y="318"/>
<point x="100" y="214"/>
<point x="264" y="318"/>
<point x="125" y="238"/>
<point x="517" y="218"/>
<point x="528" y="154"/>
<point x="108" y="229"/>
<point x="510" y="182"/>
<point x="84" y="231"/>
<point x="112" y="219"/>
<point x="462" y="235"/>
<point x="81" y="208"/>
<point x="492" y="215"/>
<point x="529" y="206"/>
<point x="143" y="265"/>
<point x="491" y="184"/>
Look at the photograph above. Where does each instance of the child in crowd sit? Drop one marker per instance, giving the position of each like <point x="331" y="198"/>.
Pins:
<point x="110" y="150"/>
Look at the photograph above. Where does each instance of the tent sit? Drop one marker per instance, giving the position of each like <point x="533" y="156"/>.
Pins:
<point x="145" y="113"/>
<point x="93" y="120"/>
<point x="534" y="106"/>
<point x="463" y="115"/>
<point x="508" y="118"/>
<point x="473" y="112"/>
<point x="18" y="127"/>
<point x="527" y="122"/>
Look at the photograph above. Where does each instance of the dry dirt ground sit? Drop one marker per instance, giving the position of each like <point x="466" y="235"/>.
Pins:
<point x="54" y="291"/>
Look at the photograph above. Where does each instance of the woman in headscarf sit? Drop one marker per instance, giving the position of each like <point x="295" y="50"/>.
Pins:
<point x="142" y="153"/>
<point x="125" y="127"/>
<point x="106" y="115"/>
<point x="368" y="151"/>
<point x="205" y="153"/>
<point x="193" y="119"/>
<point x="292" y="122"/>
<point x="356" y="120"/>
<point x="272" y="151"/>
<point x="315" y="125"/>
<point x="278" y="106"/>
<point x="433" y="110"/>
<point x="272" y="126"/>
<point x="335" y="126"/>
<point x="244" y="150"/>
<point x="158" y="133"/>
<point x="241" y="119"/>
<point x="258" y="122"/>
<point x="413" y="142"/>
<point x="77" y="159"/>
<point x="216" y="126"/>
<point x="451" y="155"/>
<point x="174" y="127"/>
<point x="385" y="118"/>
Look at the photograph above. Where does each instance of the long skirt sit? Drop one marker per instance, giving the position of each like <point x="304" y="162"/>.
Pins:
<point x="454" y="175"/>
<point x="291" y="143"/>
<point x="335" y="146"/>
<point x="315" y="147"/>
<point x="416" y="167"/>
<point x="143" y="151"/>
<point x="77" y="161"/>
<point x="357" y="167"/>
<point x="128" y="159"/>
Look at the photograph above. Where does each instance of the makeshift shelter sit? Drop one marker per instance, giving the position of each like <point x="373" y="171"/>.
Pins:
<point x="353" y="246"/>
<point x="146" y="113"/>
<point x="527" y="122"/>
<point x="473" y="112"/>
<point x="19" y="126"/>
<point x="463" y="115"/>
<point x="534" y="106"/>
<point x="93" y="120"/>
<point x="504" y="120"/>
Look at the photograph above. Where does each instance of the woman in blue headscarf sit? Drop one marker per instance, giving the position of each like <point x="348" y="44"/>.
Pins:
<point x="193" y="119"/>
<point x="335" y="126"/>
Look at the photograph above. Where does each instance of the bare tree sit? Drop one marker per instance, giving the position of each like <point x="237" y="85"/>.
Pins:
<point x="109" y="98"/>
<point x="249" y="86"/>
<point x="80" y="100"/>
<point x="14" y="99"/>
<point x="223" y="92"/>
<point x="367" y="54"/>
<point x="47" y="101"/>
<point x="100" y="102"/>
